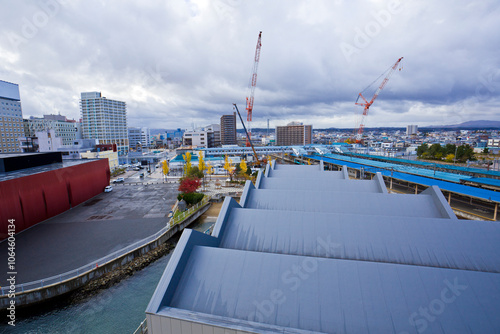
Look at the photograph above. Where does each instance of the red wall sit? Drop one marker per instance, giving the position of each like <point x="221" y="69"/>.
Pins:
<point x="34" y="198"/>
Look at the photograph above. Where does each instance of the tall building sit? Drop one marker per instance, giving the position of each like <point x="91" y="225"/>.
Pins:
<point x="104" y="120"/>
<point x="228" y="129"/>
<point x="411" y="130"/>
<point x="215" y="128"/>
<point x="139" y="135"/>
<point x="63" y="128"/>
<point x="11" y="118"/>
<point x="293" y="133"/>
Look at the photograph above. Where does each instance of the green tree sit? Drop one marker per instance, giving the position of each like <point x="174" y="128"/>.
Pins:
<point x="434" y="150"/>
<point x="422" y="149"/>
<point x="195" y="172"/>
<point x="464" y="153"/>
<point x="449" y="149"/>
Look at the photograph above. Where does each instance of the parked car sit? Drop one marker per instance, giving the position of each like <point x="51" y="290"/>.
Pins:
<point x="119" y="180"/>
<point x="108" y="189"/>
<point x="136" y="168"/>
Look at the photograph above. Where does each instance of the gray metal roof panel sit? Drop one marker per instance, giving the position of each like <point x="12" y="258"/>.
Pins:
<point x="435" y="242"/>
<point x="298" y="167"/>
<point x="421" y="205"/>
<point x="320" y="184"/>
<point x="305" y="173"/>
<point x="336" y="296"/>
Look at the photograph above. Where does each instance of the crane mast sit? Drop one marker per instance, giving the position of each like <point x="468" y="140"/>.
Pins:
<point x="251" y="86"/>
<point x="366" y="104"/>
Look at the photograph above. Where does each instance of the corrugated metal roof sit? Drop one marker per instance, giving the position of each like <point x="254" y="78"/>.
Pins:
<point x="484" y="180"/>
<point x="421" y="205"/>
<point x="320" y="183"/>
<point x="336" y="296"/>
<point x="434" y="242"/>
<point x="484" y="194"/>
<point x="324" y="261"/>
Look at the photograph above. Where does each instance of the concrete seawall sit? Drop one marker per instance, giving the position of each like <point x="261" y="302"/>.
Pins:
<point x="50" y="291"/>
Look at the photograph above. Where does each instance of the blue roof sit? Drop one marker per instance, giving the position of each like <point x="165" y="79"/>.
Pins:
<point x="430" y="164"/>
<point x="485" y="181"/>
<point x="357" y="163"/>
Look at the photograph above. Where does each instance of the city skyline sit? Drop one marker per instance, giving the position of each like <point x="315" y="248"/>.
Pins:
<point x="179" y="64"/>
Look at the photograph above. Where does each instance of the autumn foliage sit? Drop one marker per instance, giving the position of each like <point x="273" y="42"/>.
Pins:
<point x="189" y="185"/>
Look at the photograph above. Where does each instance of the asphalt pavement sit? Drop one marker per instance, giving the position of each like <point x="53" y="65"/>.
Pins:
<point x="94" y="229"/>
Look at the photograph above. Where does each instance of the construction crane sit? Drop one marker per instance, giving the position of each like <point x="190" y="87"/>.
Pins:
<point x="248" y="137"/>
<point x="251" y="85"/>
<point x="358" y="132"/>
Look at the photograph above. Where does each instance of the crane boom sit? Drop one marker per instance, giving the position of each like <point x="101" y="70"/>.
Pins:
<point x="252" y="84"/>
<point x="366" y="104"/>
<point x="248" y="135"/>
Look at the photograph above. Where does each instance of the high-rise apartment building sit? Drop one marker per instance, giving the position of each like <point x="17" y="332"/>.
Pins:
<point x="63" y="128"/>
<point x="11" y="118"/>
<point x="104" y="120"/>
<point x="228" y="129"/>
<point x="293" y="133"/>
<point x="411" y="130"/>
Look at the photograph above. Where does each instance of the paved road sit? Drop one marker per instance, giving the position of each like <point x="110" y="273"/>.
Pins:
<point x="100" y="226"/>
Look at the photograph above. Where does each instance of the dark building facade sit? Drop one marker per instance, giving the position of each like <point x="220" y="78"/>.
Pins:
<point x="293" y="134"/>
<point x="228" y="129"/>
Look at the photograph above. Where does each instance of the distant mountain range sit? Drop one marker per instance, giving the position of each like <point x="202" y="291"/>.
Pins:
<point x="470" y="124"/>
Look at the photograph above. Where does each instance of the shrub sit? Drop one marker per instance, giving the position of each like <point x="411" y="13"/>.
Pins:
<point x="190" y="198"/>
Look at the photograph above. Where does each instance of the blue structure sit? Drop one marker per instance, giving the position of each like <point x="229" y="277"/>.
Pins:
<point x="331" y="260"/>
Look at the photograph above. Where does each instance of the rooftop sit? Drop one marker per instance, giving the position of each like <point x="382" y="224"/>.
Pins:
<point x="331" y="260"/>
<point x="41" y="169"/>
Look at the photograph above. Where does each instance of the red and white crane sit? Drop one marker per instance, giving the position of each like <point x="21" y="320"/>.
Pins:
<point x="366" y="104"/>
<point x="252" y="84"/>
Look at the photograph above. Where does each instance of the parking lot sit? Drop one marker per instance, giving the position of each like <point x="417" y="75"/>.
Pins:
<point x="95" y="228"/>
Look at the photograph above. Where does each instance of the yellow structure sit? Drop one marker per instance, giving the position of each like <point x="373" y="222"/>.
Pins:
<point x="110" y="155"/>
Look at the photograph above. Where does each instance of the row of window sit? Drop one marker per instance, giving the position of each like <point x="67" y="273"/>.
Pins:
<point x="10" y="150"/>
<point x="10" y="133"/>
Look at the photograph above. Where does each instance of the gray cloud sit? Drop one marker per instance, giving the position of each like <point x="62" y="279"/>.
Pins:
<point x="178" y="63"/>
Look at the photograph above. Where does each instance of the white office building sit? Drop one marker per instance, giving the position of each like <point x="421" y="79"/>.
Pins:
<point x="63" y="128"/>
<point x="139" y="135"/>
<point x="104" y="120"/>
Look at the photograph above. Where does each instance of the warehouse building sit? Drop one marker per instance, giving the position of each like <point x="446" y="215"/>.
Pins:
<point x="37" y="186"/>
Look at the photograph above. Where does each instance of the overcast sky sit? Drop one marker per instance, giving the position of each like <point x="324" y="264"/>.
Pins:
<point x="183" y="63"/>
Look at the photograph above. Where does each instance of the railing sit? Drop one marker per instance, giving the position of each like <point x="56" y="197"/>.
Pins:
<point x="177" y="219"/>
<point x="209" y="230"/>
<point x="143" y="327"/>
<point x="110" y="257"/>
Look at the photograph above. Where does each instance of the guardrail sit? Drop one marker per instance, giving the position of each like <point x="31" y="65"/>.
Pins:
<point x="143" y="327"/>
<point x="23" y="287"/>
<point x="177" y="219"/>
